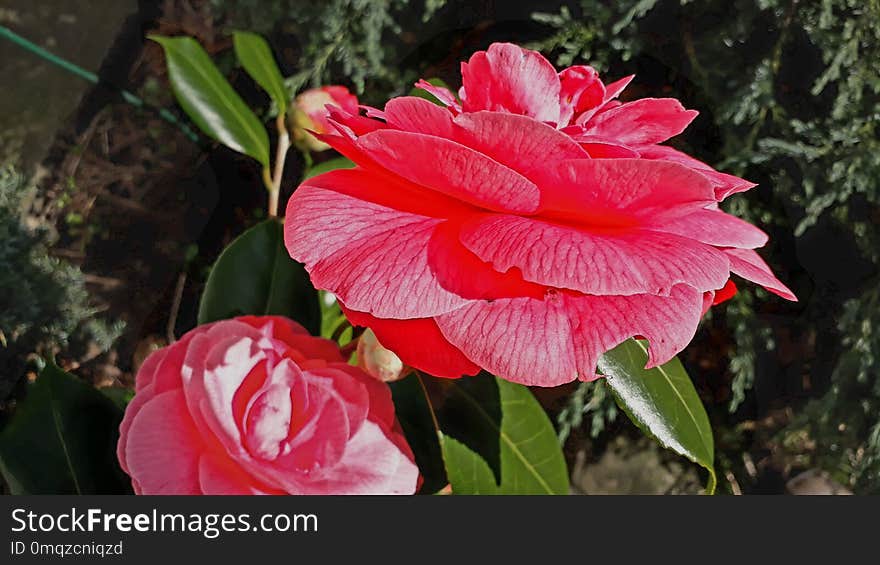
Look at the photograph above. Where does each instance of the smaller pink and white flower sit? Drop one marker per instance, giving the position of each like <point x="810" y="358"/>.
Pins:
<point x="256" y="405"/>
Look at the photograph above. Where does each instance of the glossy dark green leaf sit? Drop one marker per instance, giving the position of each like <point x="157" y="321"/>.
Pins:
<point x="662" y="402"/>
<point x="210" y="101"/>
<point x="329" y="165"/>
<point x="498" y="440"/>
<point x="255" y="56"/>
<point x="414" y="416"/>
<point x="62" y="439"/>
<point x="255" y="275"/>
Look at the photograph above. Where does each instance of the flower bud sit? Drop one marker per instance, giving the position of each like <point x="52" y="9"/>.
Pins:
<point x="377" y="361"/>
<point x="309" y="113"/>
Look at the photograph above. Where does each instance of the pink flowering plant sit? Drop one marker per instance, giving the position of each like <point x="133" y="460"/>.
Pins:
<point x="530" y="229"/>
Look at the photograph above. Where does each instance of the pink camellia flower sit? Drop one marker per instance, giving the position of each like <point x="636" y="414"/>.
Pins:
<point x="309" y="113"/>
<point x="487" y="234"/>
<point x="255" y="405"/>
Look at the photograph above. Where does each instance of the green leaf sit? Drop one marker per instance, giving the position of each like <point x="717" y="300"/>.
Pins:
<point x="255" y="275"/>
<point x="256" y="57"/>
<point x="210" y="101"/>
<point x="332" y="319"/>
<point x="62" y="439"/>
<point x="329" y="165"/>
<point x="118" y="395"/>
<point x="414" y="415"/>
<point x="662" y="402"/>
<point x="498" y="440"/>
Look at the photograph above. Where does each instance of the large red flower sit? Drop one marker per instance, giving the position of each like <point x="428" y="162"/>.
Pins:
<point x="526" y="229"/>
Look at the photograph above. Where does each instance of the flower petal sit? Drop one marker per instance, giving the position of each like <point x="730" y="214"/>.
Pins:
<point x="163" y="447"/>
<point x="413" y="114"/>
<point x="508" y="78"/>
<point x="366" y="397"/>
<point x="460" y="271"/>
<point x="523" y="340"/>
<point x="357" y="124"/>
<point x="317" y="439"/>
<point x="581" y="90"/>
<point x="452" y="169"/>
<point x="143" y="396"/>
<point x="147" y="371"/>
<point x="215" y="368"/>
<point x="552" y="341"/>
<point x="374" y="463"/>
<point x="441" y="93"/>
<point x="724" y="184"/>
<point x="724" y="294"/>
<point x="614" y="89"/>
<point x="290" y="334"/>
<point x="749" y="265"/>
<point x="518" y="142"/>
<point x="419" y="343"/>
<point x="597" y="192"/>
<point x="667" y="322"/>
<point x="715" y="228"/>
<point x="387" y="190"/>
<point x="351" y="386"/>
<point x="642" y="122"/>
<point x="374" y="258"/>
<point x="605" y="150"/>
<point x="167" y="372"/>
<point x="624" y="262"/>
<point x="221" y="476"/>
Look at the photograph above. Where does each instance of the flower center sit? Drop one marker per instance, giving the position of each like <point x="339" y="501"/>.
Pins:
<point x="268" y="422"/>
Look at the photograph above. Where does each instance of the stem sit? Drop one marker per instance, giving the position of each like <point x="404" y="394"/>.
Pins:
<point x="280" y="157"/>
<point x="267" y="178"/>
<point x="72" y="68"/>
<point x="430" y="406"/>
<point x="349" y="348"/>
<point x="343" y="325"/>
<point x="175" y="308"/>
<point x="448" y="488"/>
<point x="711" y="483"/>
